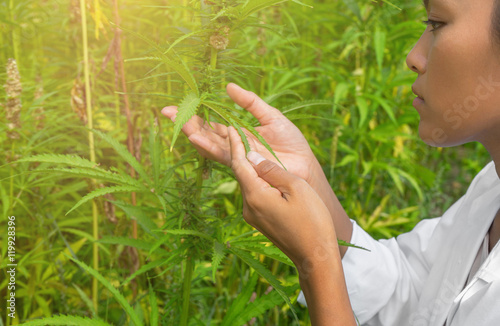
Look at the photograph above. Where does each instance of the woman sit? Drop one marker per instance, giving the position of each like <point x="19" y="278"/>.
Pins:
<point x="444" y="272"/>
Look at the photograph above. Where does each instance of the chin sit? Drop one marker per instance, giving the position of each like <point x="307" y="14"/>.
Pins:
<point x="436" y="136"/>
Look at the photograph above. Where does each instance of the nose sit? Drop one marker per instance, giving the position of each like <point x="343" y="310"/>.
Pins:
<point x="417" y="58"/>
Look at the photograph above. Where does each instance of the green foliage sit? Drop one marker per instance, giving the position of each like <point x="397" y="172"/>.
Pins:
<point x="71" y="160"/>
<point x="336" y="69"/>
<point x="116" y="294"/>
<point x="154" y="307"/>
<point x="66" y="321"/>
<point x="102" y="192"/>
<point x="217" y="256"/>
<point x="187" y="108"/>
<point x="244" y="308"/>
<point x="125" y="155"/>
<point x="265" y="273"/>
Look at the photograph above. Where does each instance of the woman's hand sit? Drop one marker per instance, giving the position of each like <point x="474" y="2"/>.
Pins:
<point x="281" y="134"/>
<point x="288" y="212"/>
<point x="285" y="139"/>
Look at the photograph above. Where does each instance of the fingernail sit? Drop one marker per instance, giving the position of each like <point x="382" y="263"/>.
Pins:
<point x="255" y="157"/>
<point x="167" y="111"/>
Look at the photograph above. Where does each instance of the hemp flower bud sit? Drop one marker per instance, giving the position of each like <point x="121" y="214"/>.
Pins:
<point x="218" y="42"/>
<point x="13" y="106"/>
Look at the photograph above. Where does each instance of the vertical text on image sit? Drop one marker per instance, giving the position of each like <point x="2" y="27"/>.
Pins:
<point x="11" y="266"/>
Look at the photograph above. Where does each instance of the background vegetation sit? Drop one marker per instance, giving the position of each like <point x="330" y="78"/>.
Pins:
<point x="161" y="240"/>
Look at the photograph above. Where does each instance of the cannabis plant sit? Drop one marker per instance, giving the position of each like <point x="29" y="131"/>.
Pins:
<point x="191" y="229"/>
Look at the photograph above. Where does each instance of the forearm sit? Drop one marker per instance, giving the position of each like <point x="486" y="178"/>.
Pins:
<point x="325" y="291"/>
<point x="343" y="225"/>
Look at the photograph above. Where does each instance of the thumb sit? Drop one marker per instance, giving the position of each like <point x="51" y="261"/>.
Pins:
<point x="272" y="173"/>
<point x="253" y="104"/>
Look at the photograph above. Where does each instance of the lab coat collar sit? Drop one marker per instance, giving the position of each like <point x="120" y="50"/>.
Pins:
<point x="473" y="223"/>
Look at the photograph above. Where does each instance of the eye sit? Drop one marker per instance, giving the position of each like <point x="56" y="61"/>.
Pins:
<point x="435" y="24"/>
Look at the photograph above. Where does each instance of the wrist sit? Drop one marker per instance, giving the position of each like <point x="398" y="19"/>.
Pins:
<point x="323" y="256"/>
<point x="316" y="176"/>
<point x="319" y="182"/>
<point x="326" y="294"/>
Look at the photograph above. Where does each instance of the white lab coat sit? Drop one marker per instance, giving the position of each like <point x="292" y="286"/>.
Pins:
<point x="418" y="278"/>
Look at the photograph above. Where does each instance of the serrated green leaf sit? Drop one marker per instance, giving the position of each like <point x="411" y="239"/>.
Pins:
<point x="379" y="39"/>
<point x="139" y="214"/>
<point x="254" y="132"/>
<point x="182" y="38"/>
<point x="180" y="68"/>
<point x="155" y="155"/>
<point x="347" y="244"/>
<point x="125" y="154"/>
<point x="388" y="108"/>
<point x="391" y="4"/>
<point x="252" y="6"/>
<point x="269" y="251"/>
<point x="186" y="232"/>
<point x="238" y="123"/>
<point x="65" y="321"/>
<point x="238" y="305"/>
<point x="71" y="160"/>
<point x="136" y="243"/>
<point x="243" y="136"/>
<point x="85" y="299"/>
<point x="157" y="244"/>
<point x="102" y="192"/>
<point x="265" y="273"/>
<point x="305" y="104"/>
<point x="150" y="58"/>
<point x="258" y="307"/>
<point x="98" y="174"/>
<point x="298" y="116"/>
<point x="116" y="294"/>
<point x="363" y="110"/>
<point x="144" y="268"/>
<point x="187" y="108"/>
<point x="153" y="318"/>
<point x="217" y="256"/>
<point x="270" y="98"/>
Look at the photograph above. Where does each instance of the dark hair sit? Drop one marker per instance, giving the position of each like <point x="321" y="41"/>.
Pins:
<point x="495" y="23"/>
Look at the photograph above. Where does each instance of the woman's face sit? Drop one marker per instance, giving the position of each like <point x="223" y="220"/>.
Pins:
<point x="458" y="69"/>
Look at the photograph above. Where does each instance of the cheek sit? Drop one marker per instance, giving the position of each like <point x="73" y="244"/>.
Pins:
<point x="459" y="87"/>
<point x="451" y="71"/>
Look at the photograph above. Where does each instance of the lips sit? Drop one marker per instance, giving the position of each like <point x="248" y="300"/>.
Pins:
<point x="414" y="90"/>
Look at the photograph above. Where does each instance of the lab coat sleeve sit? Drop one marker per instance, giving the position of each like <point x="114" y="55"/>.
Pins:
<point x="384" y="283"/>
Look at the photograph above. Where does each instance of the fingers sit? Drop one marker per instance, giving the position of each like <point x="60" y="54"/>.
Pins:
<point x="273" y="174"/>
<point x="245" y="174"/>
<point x="210" y="140"/>
<point x="195" y="124"/>
<point x="242" y="169"/>
<point x="253" y="104"/>
<point x="207" y="148"/>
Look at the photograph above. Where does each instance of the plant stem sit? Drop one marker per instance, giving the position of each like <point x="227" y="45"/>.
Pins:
<point x="15" y="36"/>
<point x="333" y="152"/>
<point x="213" y="58"/>
<point x="186" y="290"/>
<point x="202" y="162"/>
<point x="188" y="272"/>
<point x="11" y="188"/>
<point x="130" y="127"/>
<point x="189" y="266"/>
<point x="88" y="100"/>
